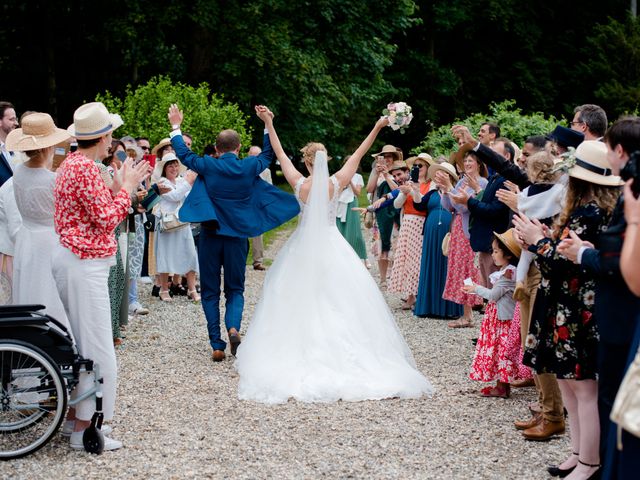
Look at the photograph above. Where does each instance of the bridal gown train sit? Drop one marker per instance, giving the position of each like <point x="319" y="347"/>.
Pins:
<point x="322" y="330"/>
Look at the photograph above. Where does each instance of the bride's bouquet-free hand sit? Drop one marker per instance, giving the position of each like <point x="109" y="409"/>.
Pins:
<point x="399" y="114"/>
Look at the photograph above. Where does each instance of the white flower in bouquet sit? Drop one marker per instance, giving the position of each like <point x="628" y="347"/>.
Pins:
<point x="399" y="114"/>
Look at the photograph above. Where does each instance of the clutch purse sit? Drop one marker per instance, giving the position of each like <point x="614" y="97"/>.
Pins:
<point x="446" y="243"/>
<point x="626" y="408"/>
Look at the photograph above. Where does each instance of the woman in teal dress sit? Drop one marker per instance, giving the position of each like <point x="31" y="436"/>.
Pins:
<point x="348" y="220"/>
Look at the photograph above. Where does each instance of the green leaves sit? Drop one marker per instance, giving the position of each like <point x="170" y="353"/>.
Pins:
<point x="144" y="111"/>
<point x="514" y="125"/>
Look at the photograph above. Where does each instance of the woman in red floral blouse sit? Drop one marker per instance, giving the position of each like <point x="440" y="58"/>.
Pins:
<point x="86" y="214"/>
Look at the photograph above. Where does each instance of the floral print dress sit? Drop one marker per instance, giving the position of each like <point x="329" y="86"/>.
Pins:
<point x="563" y="336"/>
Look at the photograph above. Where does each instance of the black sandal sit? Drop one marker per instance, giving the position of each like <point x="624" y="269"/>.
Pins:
<point x="595" y="475"/>
<point x="556" y="471"/>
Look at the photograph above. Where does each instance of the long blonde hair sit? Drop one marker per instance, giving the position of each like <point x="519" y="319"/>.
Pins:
<point x="581" y="192"/>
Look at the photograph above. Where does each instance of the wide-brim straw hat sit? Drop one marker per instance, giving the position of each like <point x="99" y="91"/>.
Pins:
<point x="425" y="157"/>
<point x="167" y="157"/>
<point x="592" y="165"/>
<point x="399" y="165"/>
<point x="93" y="120"/>
<point x="37" y="131"/>
<point x="389" y="149"/>
<point x="163" y="143"/>
<point x="445" y="167"/>
<point x="509" y="240"/>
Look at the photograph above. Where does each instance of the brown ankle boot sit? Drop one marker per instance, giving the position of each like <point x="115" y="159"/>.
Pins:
<point x="531" y="422"/>
<point x="545" y="430"/>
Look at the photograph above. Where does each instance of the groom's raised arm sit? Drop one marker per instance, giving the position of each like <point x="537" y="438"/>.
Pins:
<point x="189" y="159"/>
<point x="266" y="156"/>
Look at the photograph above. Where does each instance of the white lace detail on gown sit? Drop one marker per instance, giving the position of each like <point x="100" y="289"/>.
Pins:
<point x="322" y="330"/>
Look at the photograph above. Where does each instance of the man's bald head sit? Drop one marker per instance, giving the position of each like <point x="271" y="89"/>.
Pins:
<point x="227" y="141"/>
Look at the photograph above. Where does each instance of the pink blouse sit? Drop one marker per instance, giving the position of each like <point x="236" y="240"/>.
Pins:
<point x="86" y="212"/>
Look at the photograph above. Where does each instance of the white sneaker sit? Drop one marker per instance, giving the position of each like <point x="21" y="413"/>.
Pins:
<point x="109" y="443"/>
<point x="136" y="309"/>
<point x="67" y="428"/>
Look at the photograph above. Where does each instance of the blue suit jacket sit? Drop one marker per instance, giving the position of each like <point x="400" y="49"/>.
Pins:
<point x="5" y="170"/>
<point x="616" y="308"/>
<point x="229" y="193"/>
<point x="487" y="216"/>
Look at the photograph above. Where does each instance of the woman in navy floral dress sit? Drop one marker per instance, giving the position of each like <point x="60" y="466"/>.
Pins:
<point x="563" y="336"/>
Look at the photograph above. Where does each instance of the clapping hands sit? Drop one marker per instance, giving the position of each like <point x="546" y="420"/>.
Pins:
<point x="129" y="176"/>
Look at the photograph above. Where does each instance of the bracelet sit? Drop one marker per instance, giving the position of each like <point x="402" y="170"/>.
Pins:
<point x="636" y="223"/>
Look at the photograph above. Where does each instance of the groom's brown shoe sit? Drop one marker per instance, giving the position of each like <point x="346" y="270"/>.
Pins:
<point x="217" y="355"/>
<point x="234" y="340"/>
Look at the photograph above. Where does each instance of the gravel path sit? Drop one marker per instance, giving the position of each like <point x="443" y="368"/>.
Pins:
<point x="179" y="417"/>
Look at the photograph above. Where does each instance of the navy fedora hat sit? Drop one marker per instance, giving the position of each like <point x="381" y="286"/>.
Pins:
<point x="565" y="137"/>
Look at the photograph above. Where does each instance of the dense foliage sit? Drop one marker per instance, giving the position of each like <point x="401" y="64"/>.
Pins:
<point x="514" y="125"/>
<point x="144" y="111"/>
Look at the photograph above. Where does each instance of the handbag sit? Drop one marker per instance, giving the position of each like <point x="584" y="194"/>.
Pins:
<point x="369" y="217"/>
<point x="5" y="282"/>
<point x="446" y="243"/>
<point x="626" y="408"/>
<point x="170" y="222"/>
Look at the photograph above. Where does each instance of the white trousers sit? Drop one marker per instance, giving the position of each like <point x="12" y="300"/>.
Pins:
<point x="82" y="285"/>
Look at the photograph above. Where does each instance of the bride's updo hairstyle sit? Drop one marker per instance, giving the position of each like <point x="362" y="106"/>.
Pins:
<point x="309" y="152"/>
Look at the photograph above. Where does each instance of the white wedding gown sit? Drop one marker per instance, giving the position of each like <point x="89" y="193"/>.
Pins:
<point x="322" y="330"/>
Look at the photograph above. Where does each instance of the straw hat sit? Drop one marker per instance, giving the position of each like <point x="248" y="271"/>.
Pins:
<point x="93" y="120"/>
<point x="163" y="143"/>
<point x="38" y="131"/>
<point x="389" y="149"/>
<point x="168" y="157"/>
<point x="445" y="167"/>
<point x="399" y="165"/>
<point x="509" y="241"/>
<point x="425" y="157"/>
<point x="592" y="165"/>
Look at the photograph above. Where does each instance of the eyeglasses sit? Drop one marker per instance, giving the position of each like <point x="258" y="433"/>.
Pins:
<point x="145" y="148"/>
<point x="575" y="123"/>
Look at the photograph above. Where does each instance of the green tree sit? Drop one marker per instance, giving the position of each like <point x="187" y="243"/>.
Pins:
<point x="616" y="65"/>
<point x="514" y="125"/>
<point x="144" y="111"/>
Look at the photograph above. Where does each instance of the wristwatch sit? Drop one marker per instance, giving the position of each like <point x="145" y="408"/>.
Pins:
<point x="175" y="127"/>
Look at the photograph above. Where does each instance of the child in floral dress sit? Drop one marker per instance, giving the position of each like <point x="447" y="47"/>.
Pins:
<point x="492" y="360"/>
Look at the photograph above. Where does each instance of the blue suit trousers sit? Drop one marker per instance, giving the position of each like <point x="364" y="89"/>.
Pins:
<point x="215" y="254"/>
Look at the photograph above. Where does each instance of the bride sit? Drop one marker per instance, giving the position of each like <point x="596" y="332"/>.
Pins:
<point x="322" y="330"/>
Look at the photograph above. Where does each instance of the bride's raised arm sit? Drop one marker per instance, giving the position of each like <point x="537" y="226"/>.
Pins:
<point x="290" y="172"/>
<point x="348" y="170"/>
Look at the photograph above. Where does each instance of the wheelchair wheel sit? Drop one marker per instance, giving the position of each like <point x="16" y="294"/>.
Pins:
<point x="33" y="398"/>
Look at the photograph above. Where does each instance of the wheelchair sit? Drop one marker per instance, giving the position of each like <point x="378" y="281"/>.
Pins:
<point x="39" y="367"/>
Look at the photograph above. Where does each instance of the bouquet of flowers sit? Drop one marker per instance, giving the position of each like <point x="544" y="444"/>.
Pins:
<point x="399" y="114"/>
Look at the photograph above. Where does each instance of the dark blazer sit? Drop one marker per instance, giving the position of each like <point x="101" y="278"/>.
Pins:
<point x="6" y="172"/>
<point x="503" y="167"/>
<point x="616" y="308"/>
<point x="487" y="216"/>
<point x="230" y="197"/>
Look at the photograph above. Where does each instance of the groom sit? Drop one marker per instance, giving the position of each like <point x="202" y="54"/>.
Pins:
<point x="233" y="204"/>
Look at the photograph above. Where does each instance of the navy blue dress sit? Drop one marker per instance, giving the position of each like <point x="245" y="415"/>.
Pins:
<point x="433" y="266"/>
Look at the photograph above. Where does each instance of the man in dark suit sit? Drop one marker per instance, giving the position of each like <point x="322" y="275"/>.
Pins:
<point x="8" y="122"/>
<point x="616" y="307"/>
<point x="233" y="204"/>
